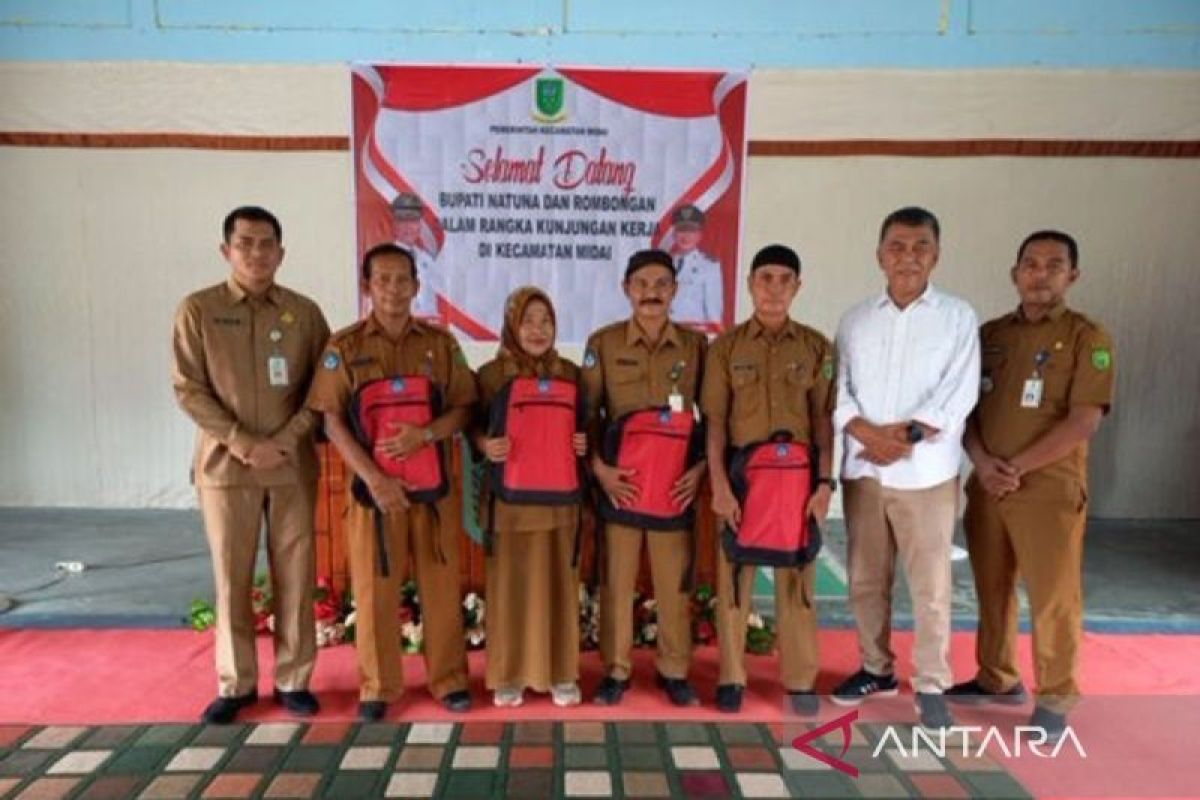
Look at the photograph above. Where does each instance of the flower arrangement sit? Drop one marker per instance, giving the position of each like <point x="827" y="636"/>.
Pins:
<point x="474" y="610"/>
<point x="704" y="615"/>
<point x="412" y="631"/>
<point x="760" y="634"/>
<point x="336" y="616"/>
<point x="260" y="600"/>
<point x="645" y="621"/>
<point x="589" y="618"/>
<point x="333" y="612"/>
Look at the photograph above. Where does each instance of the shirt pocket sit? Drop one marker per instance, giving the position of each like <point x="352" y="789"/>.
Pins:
<point x="746" y="384"/>
<point x="628" y="385"/>
<point x="1056" y="384"/>
<point x="797" y="384"/>
<point x="364" y="369"/>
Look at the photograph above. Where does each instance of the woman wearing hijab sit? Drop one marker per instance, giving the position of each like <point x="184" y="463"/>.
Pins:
<point x="532" y="580"/>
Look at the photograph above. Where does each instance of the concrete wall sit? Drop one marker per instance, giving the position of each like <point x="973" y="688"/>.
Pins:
<point x="97" y="245"/>
<point x="761" y="33"/>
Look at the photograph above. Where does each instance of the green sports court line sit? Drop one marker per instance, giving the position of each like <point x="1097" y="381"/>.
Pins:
<point x="831" y="579"/>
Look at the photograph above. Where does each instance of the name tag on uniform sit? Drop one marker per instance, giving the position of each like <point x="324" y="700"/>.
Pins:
<point x="1031" y="396"/>
<point x="277" y="370"/>
<point x="675" y="400"/>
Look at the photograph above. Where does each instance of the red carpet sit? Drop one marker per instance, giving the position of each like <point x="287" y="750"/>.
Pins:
<point x="106" y="676"/>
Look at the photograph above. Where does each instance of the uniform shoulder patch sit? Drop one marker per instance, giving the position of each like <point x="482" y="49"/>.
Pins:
<point x="331" y="360"/>
<point x="1102" y="358"/>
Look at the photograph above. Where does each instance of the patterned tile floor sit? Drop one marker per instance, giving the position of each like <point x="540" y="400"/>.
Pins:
<point x="468" y="760"/>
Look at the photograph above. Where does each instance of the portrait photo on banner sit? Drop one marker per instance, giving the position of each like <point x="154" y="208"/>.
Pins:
<point x="496" y="177"/>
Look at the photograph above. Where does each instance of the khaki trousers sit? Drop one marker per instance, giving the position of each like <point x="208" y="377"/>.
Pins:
<point x="917" y="525"/>
<point x="433" y="551"/>
<point x="795" y="624"/>
<point x="1041" y="540"/>
<point x="233" y="517"/>
<point x="669" y="551"/>
<point x="532" y="618"/>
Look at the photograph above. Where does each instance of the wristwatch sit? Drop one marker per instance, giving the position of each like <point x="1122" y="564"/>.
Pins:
<point x="830" y="482"/>
<point x="914" y="433"/>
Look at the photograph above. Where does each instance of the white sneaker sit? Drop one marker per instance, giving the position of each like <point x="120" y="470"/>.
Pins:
<point x="508" y="697"/>
<point x="566" y="694"/>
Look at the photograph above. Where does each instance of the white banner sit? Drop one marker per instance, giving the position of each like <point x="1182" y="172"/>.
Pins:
<point x="497" y="177"/>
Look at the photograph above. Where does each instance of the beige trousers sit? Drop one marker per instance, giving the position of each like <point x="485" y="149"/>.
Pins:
<point x="233" y="517"/>
<point x="795" y="624"/>
<point x="669" y="552"/>
<point x="1041" y="540"/>
<point x="433" y="550"/>
<point x="917" y="525"/>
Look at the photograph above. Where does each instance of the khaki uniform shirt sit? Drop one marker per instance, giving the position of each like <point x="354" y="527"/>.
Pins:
<point x="757" y="383"/>
<point x="363" y="352"/>
<point x="224" y="341"/>
<point x="1076" y="367"/>
<point x="494" y="376"/>
<point x="623" y="372"/>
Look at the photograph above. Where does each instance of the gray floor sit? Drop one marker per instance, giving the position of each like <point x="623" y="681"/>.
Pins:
<point x="144" y="568"/>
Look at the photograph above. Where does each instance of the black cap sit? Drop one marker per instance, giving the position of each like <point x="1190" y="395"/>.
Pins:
<point x="688" y="216"/>
<point x="778" y="254"/>
<point x="648" y="258"/>
<point x="407" y="206"/>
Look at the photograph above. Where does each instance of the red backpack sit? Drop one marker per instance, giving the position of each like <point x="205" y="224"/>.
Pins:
<point x="376" y="409"/>
<point x="539" y="416"/>
<point x="661" y="445"/>
<point x="772" y="482"/>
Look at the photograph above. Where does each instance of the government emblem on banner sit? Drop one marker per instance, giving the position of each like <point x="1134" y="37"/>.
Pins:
<point x="549" y="97"/>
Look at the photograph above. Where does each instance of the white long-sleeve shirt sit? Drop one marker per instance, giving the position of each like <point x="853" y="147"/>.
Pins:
<point x="699" y="297"/>
<point x="920" y="363"/>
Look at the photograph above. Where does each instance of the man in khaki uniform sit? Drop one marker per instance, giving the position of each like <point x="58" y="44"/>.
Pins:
<point x="769" y="374"/>
<point x="392" y="343"/>
<point x="646" y="361"/>
<point x="245" y="351"/>
<point x="1047" y="380"/>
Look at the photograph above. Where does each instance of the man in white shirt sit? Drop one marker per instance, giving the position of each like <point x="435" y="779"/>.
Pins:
<point x="407" y="209"/>
<point x="699" y="297"/>
<point x="908" y="376"/>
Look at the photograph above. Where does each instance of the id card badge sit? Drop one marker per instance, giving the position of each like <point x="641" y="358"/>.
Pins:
<point x="1031" y="396"/>
<point x="675" y="401"/>
<point x="277" y="370"/>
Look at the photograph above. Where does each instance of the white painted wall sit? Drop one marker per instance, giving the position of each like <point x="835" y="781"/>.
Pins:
<point x="98" y="246"/>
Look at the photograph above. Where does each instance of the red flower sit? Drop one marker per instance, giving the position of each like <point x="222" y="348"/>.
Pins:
<point x="327" y="610"/>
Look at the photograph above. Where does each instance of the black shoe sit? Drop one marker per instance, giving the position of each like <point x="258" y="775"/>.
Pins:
<point x="861" y="685"/>
<point x="729" y="697"/>
<point x="610" y="691"/>
<point x="972" y="693"/>
<point x="224" y="710"/>
<point x="457" y="702"/>
<point x="678" y="691"/>
<point x="933" y="713"/>
<point x="1052" y="722"/>
<point x="372" y="710"/>
<point x="301" y="702"/>
<point x="805" y="703"/>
